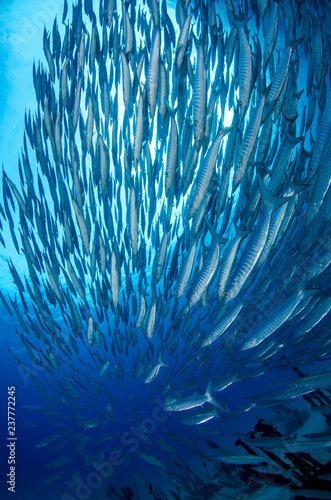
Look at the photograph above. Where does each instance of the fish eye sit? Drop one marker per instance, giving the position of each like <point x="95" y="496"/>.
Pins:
<point x="307" y="215"/>
<point x="227" y="294"/>
<point x="234" y="176"/>
<point x="309" y="272"/>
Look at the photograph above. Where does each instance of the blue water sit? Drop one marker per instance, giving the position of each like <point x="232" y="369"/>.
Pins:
<point x="102" y="424"/>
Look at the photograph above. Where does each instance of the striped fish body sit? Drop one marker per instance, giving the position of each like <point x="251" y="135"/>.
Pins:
<point x="322" y="137"/>
<point x="278" y="80"/>
<point x="150" y="320"/>
<point x="138" y="136"/>
<point x="182" y="43"/>
<point x="206" y="274"/>
<point x="270" y="34"/>
<point x="250" y="255"/>
<point x="322" y="183"/>
<point x="126" y="81"/>
<point x="154" y="72"/>
<point x="248" y="144"/>
<point x="142" y="312"/>
<point x="160" y="256"/>
<point x="172" y="158"/>
<point x="224" y="323"/>
<point x="275" y="319"/>
<point x="318" y="381"/>
<point x="226" y="265"/>
<point x="186" y="270"/>
<point x="205" y="173"/>
<point x="115" y="279"/>
<point x="187" y="403"/>
<point x="133" y="222"/>
<point x="200" y="99"/>
<point x="245" y="68"/>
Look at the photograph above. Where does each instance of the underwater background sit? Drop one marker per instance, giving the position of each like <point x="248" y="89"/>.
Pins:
<point x="161" y="308"/>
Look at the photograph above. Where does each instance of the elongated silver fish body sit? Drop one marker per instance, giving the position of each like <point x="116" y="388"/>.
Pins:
<point x="133" y="221"/>
<point x="142" y="311"/>
<point x="126" y="80"/>
<point x="275" y="320"/>
<point x="115" y="279"/>
<point x="138" y="136"/>
<point x="278" y="80"/>
<point x="248" y="143"/>
<point x="245" y="68"/>
<point x="222" y="325"/>
<point x="193" y="401"/>
<point x="204" y="176"/>
<point x="154" y="72"/>
<point x="172" y="158"/>
<point x="182" y="43"/>
<point x="200" y="99"/>
<point x="271" y="33"/>
<point x="150" y="320"/>
<point x="186" y="270"/>
<point x="254" y="245"/>
<point x="160" y="256"/>
<point x="206" y="274"/>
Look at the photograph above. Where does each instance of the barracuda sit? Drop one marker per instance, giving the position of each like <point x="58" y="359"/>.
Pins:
<point x="193" y="401"/>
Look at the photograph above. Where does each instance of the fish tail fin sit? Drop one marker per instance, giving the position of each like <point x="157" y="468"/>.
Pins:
<point x="196" y="40"/>
<point x="208" y="390"/>
<point x="180" y="316"/>
<point x="213" y="401"/>
<point x="318" y="20"/>
<point x="171" y="111"/>
<point x="295" y="187"/>
<point x="258" y="402"/>
<point x="225" y="130"/>
<point x="307" y="292"/>
<point x="216" y="414"/>
<point x="271" y="200"/>
<point x="241" y="232"/>
<point x="239" y="24"/>
<point x="216" y="89"/>
<point x="293" y="140"/>
<point x="228" y="410"/>
<point x="295" y="43"/>
<point x="211" y="398"/>
<point x="160" y="362"/>
<point x="265" y="91"/>
<point x="213" y="232"/>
